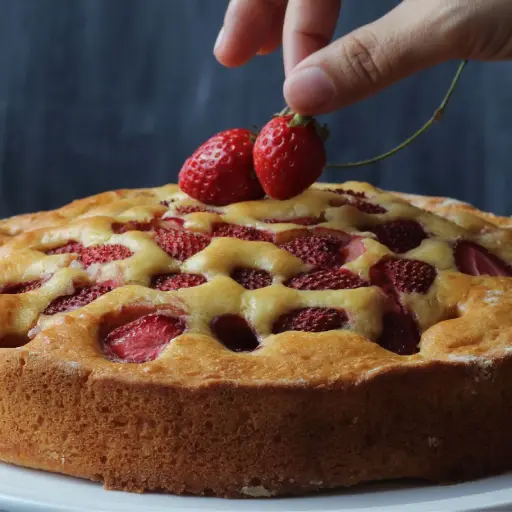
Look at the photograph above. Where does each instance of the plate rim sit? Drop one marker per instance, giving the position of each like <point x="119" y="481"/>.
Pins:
<point x="491" y="493"/>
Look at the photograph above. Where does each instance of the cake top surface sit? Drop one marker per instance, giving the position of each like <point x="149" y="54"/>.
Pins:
<point x="338" y="283"/>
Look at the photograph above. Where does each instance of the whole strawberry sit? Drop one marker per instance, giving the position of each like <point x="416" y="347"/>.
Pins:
<point x="221" y="171"/>
<point x="289" y="155"/>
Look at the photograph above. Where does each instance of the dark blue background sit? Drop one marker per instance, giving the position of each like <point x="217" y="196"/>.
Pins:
<point x="103" y="94"/>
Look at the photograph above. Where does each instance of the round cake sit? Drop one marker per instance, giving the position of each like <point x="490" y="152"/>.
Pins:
<point x="153" y="343"/>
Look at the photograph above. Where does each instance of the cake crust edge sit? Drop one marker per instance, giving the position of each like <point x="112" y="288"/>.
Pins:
<point x="436" y="421"/>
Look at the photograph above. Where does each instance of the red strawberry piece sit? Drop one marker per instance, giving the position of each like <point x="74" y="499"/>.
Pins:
<point x="301" y="221"/>
<point x="349" y="192"/>
<point x="28" y="286"/>
<point x="311" y="320"/>
<point x="326" y="279"/>
<point x="281" y="238"/>
<point x="132" y="225"/>
<point x="400" y="333"/>
<point x="143" y="339"/>
<point x="81" y="297"/>
<point x="186" y="209"/>
<point x="320" y="251"/>
<point x="171" y="223"/>
<point x="251" y="278"/>
<point x="104" y="254"/>
<point x="354" y="193"/>
<point x="338" y="202"/>
<point x="400" y="235"/>
<point x="289" y="155"/>
<point x="234" y="333"/>
<point x="360" y="204"/>
<point x="335" y="234"/>
<point x="367" y="207"/>
<point x="354" y="249"/>
<point x="475" y="260"/>
<point x="170" y="282"/>
<point x="67" y="248"/>
<point x="221" y="172"/>
<point x="406" y="276"/>
<point x="181" y="244"/>
<point x="241" y="232"/>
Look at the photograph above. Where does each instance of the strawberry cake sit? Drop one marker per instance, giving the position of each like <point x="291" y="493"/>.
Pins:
<point x="153" y="343"/>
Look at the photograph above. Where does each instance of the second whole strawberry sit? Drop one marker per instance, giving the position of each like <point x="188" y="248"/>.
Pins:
<point x="289" y="155"/>
<point x="220" y="171"/>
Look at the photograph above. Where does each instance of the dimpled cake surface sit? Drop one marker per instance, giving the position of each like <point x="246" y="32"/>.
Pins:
<point x="264" y="348"/>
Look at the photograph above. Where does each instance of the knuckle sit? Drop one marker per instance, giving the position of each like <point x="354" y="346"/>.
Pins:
<point x="320" y="40"/>
<point x="472" y="31"/>
<point x="364" y="57"/>
<point x="490" y="45"/>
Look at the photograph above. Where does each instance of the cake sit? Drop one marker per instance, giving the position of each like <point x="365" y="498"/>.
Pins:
<point x="153" y="343"/>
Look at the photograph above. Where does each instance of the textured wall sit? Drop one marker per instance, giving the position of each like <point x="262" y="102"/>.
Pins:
<point x="101" y="94"/>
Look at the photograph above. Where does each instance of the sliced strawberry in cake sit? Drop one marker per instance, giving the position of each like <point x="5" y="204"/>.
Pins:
<point x="79" y="298"/>
<point x="319" y="251"/>
<point x="251" y="278"/>
<point x="475" y="260"/>
<point x="313" y="319"/>
<point x="403" y="275"/>
<point x="400" y="235"/>
<point x="143" y="339"/>
<point x="181" y="244"/>
<point x="327" y="279"/>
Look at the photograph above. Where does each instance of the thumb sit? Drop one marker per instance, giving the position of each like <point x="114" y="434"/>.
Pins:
<point x="413" y="36"/>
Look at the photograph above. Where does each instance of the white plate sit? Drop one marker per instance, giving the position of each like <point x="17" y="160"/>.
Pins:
<point x="24" y="490"/>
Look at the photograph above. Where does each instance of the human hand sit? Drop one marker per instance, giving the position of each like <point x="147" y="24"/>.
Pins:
<point x="322" y="76"/>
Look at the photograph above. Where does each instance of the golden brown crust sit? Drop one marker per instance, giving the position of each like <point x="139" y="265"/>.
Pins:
<point x="435" y="421"/>
<point x="459" y="212"/>
<point x="304" y="412"/>
<point x="106" y="202"/>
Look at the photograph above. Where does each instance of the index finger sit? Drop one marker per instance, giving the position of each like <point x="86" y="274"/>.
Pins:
<point x="247" y="28"/>
<point x="309" y="26"/>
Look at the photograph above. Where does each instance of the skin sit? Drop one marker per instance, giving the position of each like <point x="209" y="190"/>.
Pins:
<point x="323" y="76"/>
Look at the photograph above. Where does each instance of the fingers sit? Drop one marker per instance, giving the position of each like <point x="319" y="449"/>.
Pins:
<point x="275" y="35"/>
<point x="413" y="36"/>
<point x="309" y="26"/>
<point x="249" y="26"/>
<point x="485" y="31"/>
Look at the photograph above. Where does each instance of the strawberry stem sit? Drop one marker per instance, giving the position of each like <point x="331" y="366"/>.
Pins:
<point x="437" y="116"/>
<point x="286" y="111"/>
<point x="299" y="120"/>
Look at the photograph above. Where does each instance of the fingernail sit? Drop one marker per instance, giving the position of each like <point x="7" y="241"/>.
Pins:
<point x="309" y="89"/>
<point x="218" y="41"/>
